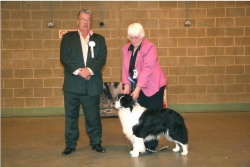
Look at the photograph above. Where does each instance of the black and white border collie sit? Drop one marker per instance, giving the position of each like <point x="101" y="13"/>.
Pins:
<point x="142" y="125"/>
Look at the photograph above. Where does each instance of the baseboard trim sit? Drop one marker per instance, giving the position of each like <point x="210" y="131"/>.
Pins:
<point x="59" y="111"/>
<point x="229" y="107"/>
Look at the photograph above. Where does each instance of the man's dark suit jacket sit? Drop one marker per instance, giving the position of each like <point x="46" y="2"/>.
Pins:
<point x="71" y="57"/>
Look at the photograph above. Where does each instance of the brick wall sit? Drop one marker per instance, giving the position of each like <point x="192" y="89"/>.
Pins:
<point x="207" y="64"/>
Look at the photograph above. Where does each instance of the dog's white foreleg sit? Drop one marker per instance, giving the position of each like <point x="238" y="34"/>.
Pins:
<point x="138" y="146"/>
<point x="141" y="145"/>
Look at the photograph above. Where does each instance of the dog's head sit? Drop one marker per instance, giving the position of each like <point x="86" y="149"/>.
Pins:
<point x="125" y="101"/>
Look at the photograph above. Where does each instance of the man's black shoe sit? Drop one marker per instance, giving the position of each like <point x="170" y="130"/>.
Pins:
<point x="68" y="151"/>
<point x="98" y="148"/>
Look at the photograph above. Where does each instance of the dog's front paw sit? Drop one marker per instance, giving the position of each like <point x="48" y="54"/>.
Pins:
<point x="131" y="152"/>
<point x="184" y="153"/>
<point x="135" y="154"/>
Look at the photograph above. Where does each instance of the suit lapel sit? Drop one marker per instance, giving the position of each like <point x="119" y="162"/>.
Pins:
<point x="78" y="46"/>
<point x="89" y="57"/>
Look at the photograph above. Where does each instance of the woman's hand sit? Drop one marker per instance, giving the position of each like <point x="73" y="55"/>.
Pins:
<point x="126" y="89"/>
<point x="136" y="92"/>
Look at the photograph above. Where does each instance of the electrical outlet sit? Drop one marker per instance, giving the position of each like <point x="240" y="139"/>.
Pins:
<point x="187" y="23"/>
<point x="51" y="24"/>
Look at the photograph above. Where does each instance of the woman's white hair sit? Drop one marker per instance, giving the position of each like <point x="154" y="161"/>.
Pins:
<point x="136" y="29"/>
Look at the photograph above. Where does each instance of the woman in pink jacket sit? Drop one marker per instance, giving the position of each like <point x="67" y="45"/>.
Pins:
<point x="141" y="73"/>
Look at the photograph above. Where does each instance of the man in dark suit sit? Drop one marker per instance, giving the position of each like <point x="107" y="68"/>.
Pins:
<point x="83" y="55"/>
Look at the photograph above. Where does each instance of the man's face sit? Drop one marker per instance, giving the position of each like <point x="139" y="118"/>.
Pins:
<point x="84" y="22"/>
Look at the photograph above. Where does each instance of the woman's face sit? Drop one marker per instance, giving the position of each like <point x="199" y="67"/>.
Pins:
<point x="135" y="40"/>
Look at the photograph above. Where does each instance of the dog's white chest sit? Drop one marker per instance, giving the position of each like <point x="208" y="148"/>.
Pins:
<point x="130" y="118"/>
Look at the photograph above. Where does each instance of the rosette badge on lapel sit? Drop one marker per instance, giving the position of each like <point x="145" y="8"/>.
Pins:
<point x="92" y="45"/>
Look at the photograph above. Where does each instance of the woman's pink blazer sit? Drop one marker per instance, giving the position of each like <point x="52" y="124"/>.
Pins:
<point x="150" y="75"/>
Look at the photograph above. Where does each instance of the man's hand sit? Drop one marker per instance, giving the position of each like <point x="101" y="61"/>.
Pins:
<point x="85" y="73"/>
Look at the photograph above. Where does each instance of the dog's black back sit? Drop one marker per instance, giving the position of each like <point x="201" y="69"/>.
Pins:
<point x="155" y="122"/>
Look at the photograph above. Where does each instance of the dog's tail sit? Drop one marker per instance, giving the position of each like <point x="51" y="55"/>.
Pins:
<point x="181" y="134"/>
<point x="179" y="130"/>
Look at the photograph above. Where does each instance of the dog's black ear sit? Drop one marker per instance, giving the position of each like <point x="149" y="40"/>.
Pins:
<point x="128" y="97"/>
<point x="120" y="95"/>
<point x="129" y="101"/>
